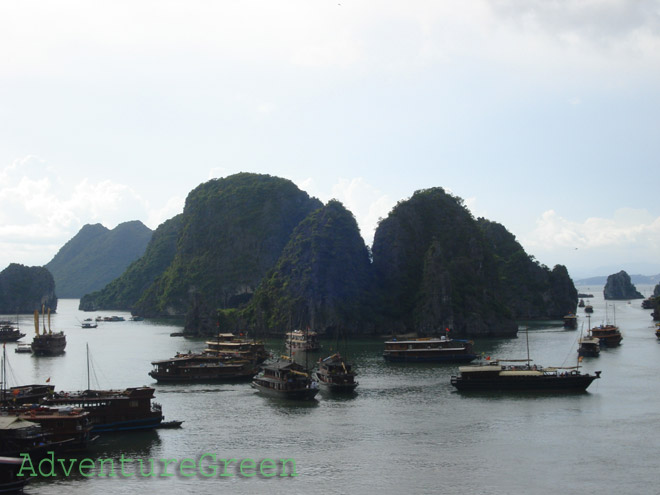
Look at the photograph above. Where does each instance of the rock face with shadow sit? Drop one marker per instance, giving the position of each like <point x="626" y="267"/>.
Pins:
<point x="619" y="287"/>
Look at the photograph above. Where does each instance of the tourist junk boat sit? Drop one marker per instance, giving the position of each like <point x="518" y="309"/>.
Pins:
<point x="299" y="340"/>
<point x="588" y="308"/>
<point x="285" y="379"/>
<point x="429" y="350"/>
<point x="47" y="343"/>
<point x="228" y="344"/>
<point x="9" y="332"/>
<point x="202" y="368"/>
<point x="608" y="334"/>
<point x="67" y="426"/>
<point x="589" y="346"/>
<point x="570" y="321"/>
<point x="335" y="374"/>
<point x="114" y="410"/>
<point x="499" y="376"/>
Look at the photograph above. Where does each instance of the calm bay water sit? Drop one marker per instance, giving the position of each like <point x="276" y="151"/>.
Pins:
<point x="405" y="431"/>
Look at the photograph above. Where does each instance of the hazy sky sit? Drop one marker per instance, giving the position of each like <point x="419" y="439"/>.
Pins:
<point x="542" y="115"/>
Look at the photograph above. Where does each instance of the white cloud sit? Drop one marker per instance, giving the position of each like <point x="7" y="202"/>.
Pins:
<point x="631" y="235"/>
<point x="40" y="212"/>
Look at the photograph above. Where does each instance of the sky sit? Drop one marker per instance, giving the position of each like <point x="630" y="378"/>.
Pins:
<point x="541" y="115"/>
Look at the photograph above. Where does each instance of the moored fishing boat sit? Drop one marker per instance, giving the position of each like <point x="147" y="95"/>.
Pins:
<point x="335" y="374"/>
<point x="202" y="368"/>
<point x="299" y="340"/>
<point x="588" y="308"/>
<point x="287" y="380"/>
<point x="429" y="350"/>
<point x="500" y="377"/>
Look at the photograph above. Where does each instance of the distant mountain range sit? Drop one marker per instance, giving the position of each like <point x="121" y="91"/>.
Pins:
<point x="635" y="279"/>
<point x="95" y="256"/>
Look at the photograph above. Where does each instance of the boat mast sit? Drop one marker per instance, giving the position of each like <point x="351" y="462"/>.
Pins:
<point x="527" y="339"/>
<point x="4" y="372"/>
<point x="87" y="347"/>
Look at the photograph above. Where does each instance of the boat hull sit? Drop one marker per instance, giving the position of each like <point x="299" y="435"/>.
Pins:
<point x="431" y="358"/>
<point x="202" y="378"/>
<point x="49" y="345"/>
<point x="335" y="387"/>
<point x="293" y="394"/>
<point x="569" y="383"/>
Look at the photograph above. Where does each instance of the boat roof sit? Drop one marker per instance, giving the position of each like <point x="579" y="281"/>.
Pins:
<point x="15" y="423"/>
<point x="486" y="367"/>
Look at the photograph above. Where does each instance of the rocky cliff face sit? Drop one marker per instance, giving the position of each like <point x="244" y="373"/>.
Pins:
<point x="25" y="289"/>
<point x="619" y="286"/>
<point x="321" y="280"/>
<point x="434" y="270"/>
<point x="530" y="290"/>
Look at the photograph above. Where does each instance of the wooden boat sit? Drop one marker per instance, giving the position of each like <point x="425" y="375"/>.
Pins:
<point x="228" y="344"/>
<point x="570" y="321"/>
<point x="67" y="425"/>
<point x="9" y="332"/>
<point x="335" y="374"/>
<point x="499" y="377"/>
<point x="47" y="343"/>
<point x="287" y="380"/>
<point x="299" y="340"/>
<point x="26" y="394"/>
<point x="429" y="350"/>
<point x="113" y="410"/>
<point x="588" y="308"/>
<point x="609" y="335"/>
<point x="589" y="346"/>
<point x="202" y="368"/>
<point x="20" y="436"/>
<point x="496" y="376"/>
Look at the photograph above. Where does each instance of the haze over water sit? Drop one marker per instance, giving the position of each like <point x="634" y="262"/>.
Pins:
<point x="405" y="431"/>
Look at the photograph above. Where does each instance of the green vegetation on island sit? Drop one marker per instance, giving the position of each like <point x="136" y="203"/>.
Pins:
<point x="254" y="252"/>
<point x="24" y="289"/>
